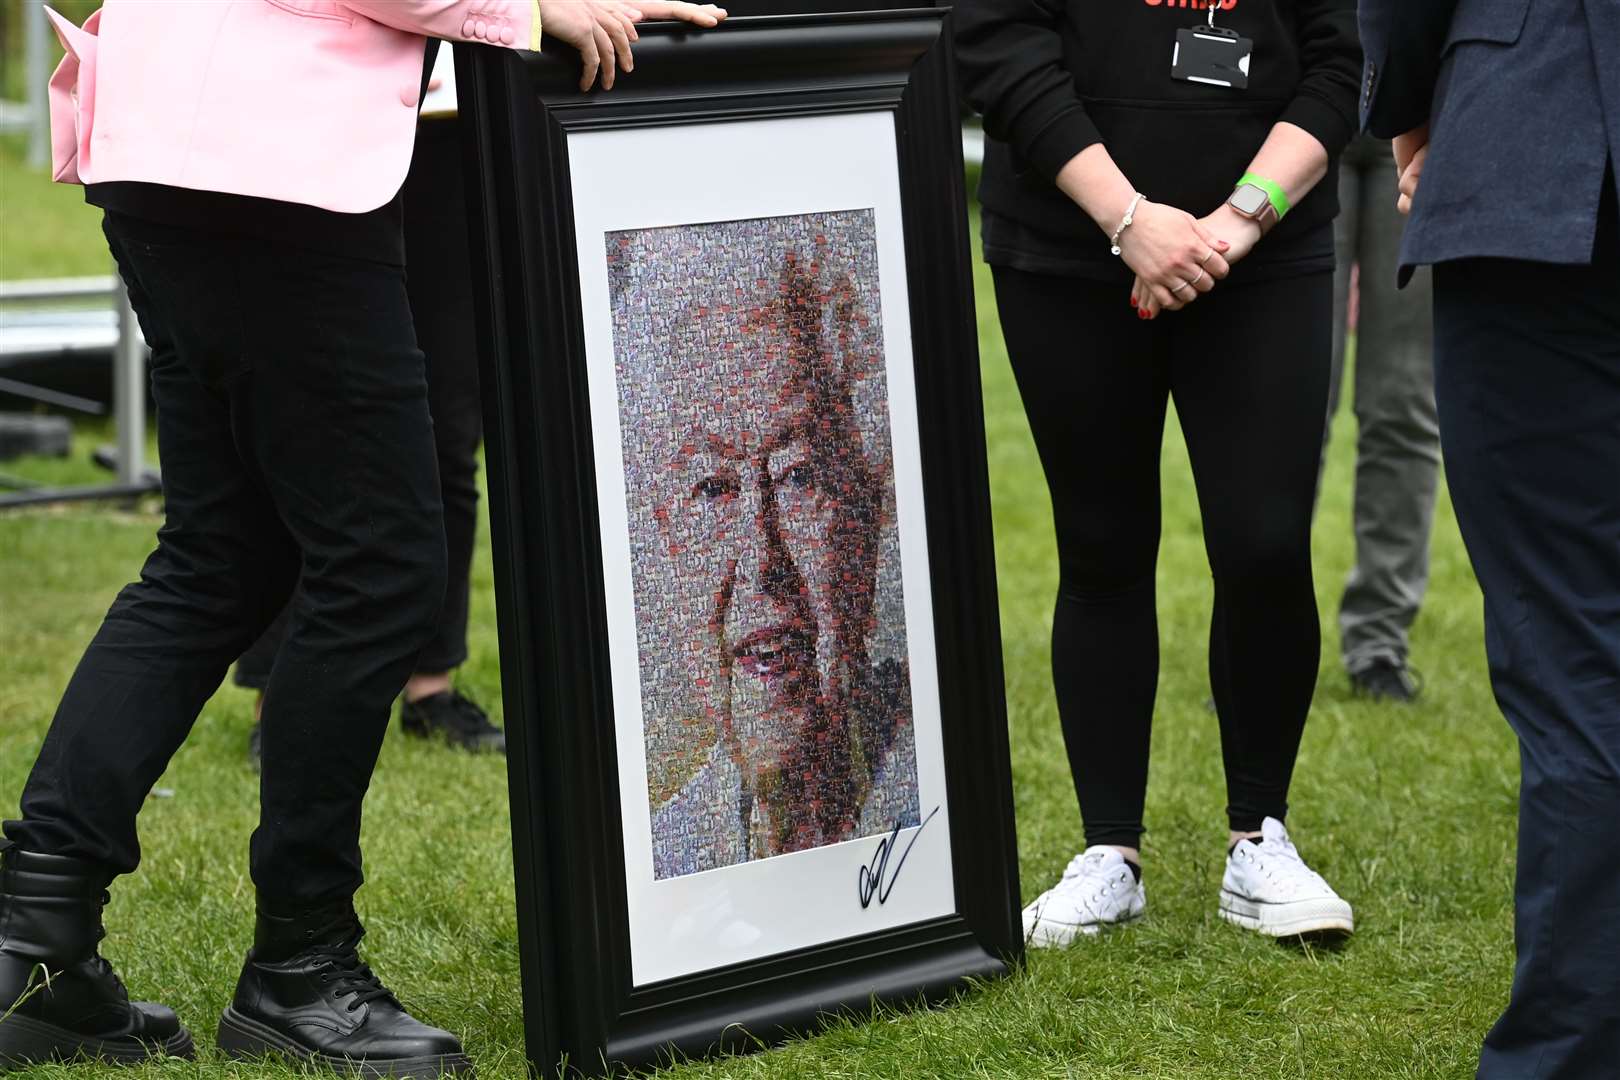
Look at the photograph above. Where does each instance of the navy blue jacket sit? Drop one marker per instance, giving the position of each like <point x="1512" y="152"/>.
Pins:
<point x="1523" y="102"/>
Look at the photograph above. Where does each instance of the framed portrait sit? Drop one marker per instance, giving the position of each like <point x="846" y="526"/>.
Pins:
<point x="740" y="518"/>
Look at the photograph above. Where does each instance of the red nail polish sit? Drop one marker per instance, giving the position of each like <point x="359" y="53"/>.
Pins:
<point x="1133" y="301"/>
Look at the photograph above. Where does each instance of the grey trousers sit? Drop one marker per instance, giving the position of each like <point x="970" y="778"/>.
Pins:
<point x="1398" y="433"/>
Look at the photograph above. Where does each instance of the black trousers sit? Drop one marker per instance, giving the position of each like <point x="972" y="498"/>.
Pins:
<point x="1528" y="368"/>
<point x="293" y="428"/>
<point x="439" y="283"/>
<point x="1247" y="366"/>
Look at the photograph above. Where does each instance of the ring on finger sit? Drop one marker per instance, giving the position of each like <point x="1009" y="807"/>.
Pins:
<point x="1178" y="288"/>
<point x="1205" y="260"/>
<point x="1194" y="282"/>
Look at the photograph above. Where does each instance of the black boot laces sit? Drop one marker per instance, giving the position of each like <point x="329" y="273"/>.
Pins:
<point x="351" y="977"/>
<point x="100" y="961"/>
<point x="97" y="962"/>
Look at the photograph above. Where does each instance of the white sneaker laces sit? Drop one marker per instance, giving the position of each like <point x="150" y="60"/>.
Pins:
<point x="1279" y="862"/>
<point x="1086" y="882"/>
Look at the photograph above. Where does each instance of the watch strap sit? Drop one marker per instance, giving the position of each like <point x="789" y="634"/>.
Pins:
<point x="1267" y="218"/>
<point x="1273" y="190"/>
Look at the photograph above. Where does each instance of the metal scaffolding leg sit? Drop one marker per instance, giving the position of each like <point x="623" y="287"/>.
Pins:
<point x="129" y="394"/>
<point x="129" y="400"/>
<point x="36" y="35"/>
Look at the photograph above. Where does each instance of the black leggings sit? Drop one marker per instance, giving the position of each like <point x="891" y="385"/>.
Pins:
<point x="1248" y="367"/>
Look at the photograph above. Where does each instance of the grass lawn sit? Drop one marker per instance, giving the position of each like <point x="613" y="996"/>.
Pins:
<point x="1408" y="811"/>
<point x="46" y="229"/>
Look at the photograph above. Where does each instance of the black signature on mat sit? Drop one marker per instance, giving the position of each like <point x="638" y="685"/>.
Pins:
<point x="874" y="879"/>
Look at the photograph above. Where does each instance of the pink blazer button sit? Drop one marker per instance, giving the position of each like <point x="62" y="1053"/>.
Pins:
<point x="507" y="36"/>
<point x="467" y="28"/>
<point x="482" y="28"/>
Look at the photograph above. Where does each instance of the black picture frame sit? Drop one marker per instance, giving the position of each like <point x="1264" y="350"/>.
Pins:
<point x="582" y="1013"/>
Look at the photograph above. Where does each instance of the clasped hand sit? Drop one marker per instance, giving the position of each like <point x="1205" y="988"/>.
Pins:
<point x="604" y="30"/>
<point x="1411" y="151"/>
<point x="1177" y="257"/>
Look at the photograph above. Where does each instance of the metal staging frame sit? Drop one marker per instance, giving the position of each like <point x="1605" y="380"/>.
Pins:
<point x="129" y="393"/>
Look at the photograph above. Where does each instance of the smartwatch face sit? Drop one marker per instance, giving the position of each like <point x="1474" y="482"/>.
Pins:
<point x="1249" y="200"/>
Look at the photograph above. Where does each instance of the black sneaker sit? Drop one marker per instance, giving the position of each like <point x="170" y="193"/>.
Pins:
<point x="457" y="719"/>
<point x="1386" y="680"/>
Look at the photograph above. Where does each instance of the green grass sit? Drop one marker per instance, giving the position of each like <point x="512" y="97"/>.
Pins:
<point x="46" y="229"/>
<point x="1409" y="811"/>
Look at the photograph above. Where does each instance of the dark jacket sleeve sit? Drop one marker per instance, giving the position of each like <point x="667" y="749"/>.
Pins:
<point x="1403" y="41"/>
<point x="1010" y="57"/>
<point x="1330" y="73"/>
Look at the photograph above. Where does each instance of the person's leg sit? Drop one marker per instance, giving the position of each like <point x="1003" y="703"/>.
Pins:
<point x="1092" y="381"/>
<point x="439" y="289"/>
<point x="1093" y="388"/>
<point x="1528" y="376"/>
<point x="1397" y="452"/>
<point x="1249" y="378"/>
<point x="221" y="569"/>
<point x="1248" y="373"/>
<point x="439" y="284"/>
<point x="337" y="421"/>
<point x="335" y="417"/>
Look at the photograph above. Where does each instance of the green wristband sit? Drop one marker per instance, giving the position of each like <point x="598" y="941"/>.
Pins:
<point x="1273" y="190"/>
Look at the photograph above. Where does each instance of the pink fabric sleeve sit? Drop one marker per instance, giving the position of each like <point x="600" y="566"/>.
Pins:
<point x="512" y="23"/>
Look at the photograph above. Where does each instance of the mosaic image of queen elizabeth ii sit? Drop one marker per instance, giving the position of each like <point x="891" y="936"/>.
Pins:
<point x="765" y="555"/>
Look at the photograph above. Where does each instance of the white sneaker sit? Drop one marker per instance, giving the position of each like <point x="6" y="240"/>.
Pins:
<point x="1097" y="890"/>
<point x="1268" y="888"/>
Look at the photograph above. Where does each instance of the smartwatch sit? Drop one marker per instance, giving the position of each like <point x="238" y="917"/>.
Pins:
<point x="1260" y="200"/>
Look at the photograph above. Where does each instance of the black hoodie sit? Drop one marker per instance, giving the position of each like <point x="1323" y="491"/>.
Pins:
<point x="1052" y="77"/>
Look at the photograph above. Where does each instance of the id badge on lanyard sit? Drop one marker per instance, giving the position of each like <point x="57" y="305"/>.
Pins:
<point x="1212" y="55"/>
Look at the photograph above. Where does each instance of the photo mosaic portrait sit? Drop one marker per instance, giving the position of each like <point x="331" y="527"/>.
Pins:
<point x="765" y="557"/>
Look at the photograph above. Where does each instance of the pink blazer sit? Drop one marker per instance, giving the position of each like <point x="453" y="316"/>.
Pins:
<point x="308" y="101"/>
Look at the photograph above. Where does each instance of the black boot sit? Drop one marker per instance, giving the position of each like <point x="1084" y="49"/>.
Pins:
<point x="50" y="919"/>
<point x="305" y="993"/>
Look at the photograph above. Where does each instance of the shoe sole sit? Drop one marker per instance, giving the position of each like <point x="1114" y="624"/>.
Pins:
<point x="26" y="1041"/>
<point x="1293" y="919"/>
<point x="1061" y="936"/>
<point x="483" y="744"/>
<point x="243" y="1037"/>
<point x="1376" y="697"/>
